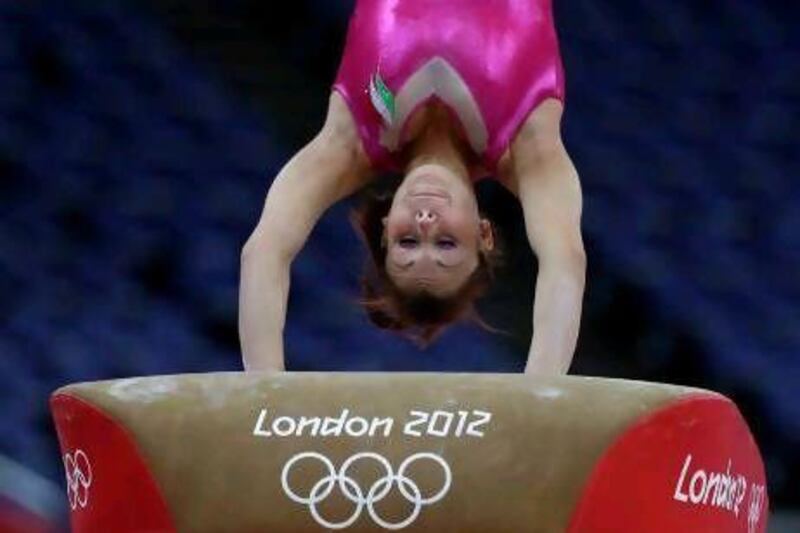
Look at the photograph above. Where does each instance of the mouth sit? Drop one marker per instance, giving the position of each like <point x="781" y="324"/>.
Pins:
<point x="428" y="192"/>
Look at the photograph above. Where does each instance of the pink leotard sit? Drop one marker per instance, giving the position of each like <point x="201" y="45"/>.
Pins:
<point x="491" y="62"/>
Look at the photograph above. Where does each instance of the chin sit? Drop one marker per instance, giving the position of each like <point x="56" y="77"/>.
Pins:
<point x="433" y="174"/>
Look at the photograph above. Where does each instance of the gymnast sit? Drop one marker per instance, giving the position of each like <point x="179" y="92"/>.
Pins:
<point x="444" y="93"/>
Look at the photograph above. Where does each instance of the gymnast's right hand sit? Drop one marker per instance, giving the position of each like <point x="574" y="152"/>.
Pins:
<point x="330" y="167"/>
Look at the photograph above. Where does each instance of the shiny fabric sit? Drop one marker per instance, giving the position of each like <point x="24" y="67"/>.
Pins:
<point x="506" y="51"/>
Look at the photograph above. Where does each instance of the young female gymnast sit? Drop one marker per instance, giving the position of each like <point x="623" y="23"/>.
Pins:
<point x="445" y="92"/>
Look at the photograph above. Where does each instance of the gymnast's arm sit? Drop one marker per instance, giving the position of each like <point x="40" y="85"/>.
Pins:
<point x="329" y="168"/>
<point x="546" y="182"/>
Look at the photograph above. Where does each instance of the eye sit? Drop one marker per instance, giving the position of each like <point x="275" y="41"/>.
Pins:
<point x="407" y="242"/>
<point x="446" y="244"/>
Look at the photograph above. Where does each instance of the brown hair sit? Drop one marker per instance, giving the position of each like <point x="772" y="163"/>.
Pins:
<point x="420" y="316"/>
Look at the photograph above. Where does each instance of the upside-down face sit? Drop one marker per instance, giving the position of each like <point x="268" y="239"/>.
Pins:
<point x="433" y="232"/>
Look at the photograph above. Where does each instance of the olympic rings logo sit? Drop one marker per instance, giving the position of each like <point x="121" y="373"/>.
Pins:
<point x="353" y="492"/>
<point x="79" y="478"/>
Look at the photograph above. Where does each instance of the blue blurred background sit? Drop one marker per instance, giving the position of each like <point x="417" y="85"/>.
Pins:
<point x="138" y="139"/>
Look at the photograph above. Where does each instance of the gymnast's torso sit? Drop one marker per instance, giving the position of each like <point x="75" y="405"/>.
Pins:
<point x="490" y="62"/>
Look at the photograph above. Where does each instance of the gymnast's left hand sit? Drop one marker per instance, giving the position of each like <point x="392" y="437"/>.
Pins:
<point x="330" y="167"/>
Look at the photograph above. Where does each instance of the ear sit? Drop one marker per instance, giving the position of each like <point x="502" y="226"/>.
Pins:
<point x="485" y="235"/>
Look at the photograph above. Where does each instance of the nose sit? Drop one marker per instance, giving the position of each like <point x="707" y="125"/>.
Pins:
<point x="425" y="218"/>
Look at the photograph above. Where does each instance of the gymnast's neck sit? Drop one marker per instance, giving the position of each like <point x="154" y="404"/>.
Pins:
<point x="436" y="141"/>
